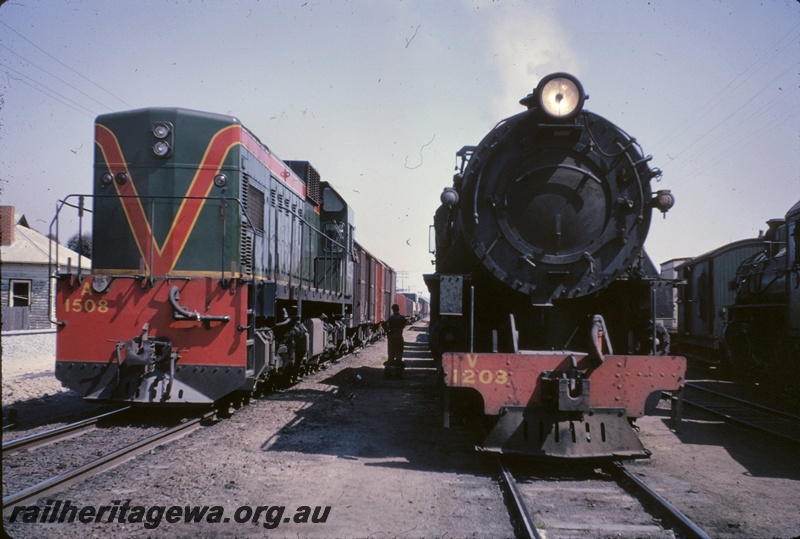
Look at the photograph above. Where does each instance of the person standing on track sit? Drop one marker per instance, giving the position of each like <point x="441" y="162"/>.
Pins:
<point x="395" y="324"/>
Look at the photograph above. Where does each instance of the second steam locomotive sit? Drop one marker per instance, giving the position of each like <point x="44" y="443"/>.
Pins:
<point x="543" y="303"/>
<point x="217" y="268"/>
<point x="762" y="330"/>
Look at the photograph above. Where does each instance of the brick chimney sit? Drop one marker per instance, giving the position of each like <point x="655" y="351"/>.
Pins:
<point x="6" y="225"/>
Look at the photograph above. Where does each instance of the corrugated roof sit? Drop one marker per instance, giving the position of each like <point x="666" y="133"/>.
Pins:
<point x="733" y="246"/>
<point x="30" y="247"/>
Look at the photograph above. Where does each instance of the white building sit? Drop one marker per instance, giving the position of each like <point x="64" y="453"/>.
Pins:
<point x="25" y="292"/>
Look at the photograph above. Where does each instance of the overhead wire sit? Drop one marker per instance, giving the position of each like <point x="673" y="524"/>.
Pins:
<point x="48" y="92"/>
<point x="68" y="67"/>
<point x="56" y="77"/>
<point x="751" y="120"/>
<point x="698" y="158"/>
<point x="715" y="101"/>
<point x="695" y="151"/>
<point x="743" y="142"/>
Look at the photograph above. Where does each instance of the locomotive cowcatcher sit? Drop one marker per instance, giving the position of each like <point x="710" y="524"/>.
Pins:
<point x="217" y="269"/>
<point x="543" y="303"/>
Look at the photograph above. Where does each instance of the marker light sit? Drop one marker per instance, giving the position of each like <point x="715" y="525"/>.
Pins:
<point x="100" y="283"/>
<point x="449" y="197"/>
<point x="560" y="96"/>
<point x="220" y="180"/>
<point x="663" y="200"/>
<point x="106" y="178"/>
<point x="161" y="148"/>
<point x="161" y="131"/>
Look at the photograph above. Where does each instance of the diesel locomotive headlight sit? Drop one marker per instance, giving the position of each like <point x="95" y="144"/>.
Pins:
<point x="161" y="131"/>
<point x="560" y="96"/>
<point x="161" y="148"/>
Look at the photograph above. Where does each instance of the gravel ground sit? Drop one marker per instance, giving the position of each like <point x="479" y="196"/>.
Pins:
<point x="344" y="438"/>
<point x="31" y="392"/>
<point x="27" y="468"/>
<point x="28" y="364"/>
<point x="374" y="451"/>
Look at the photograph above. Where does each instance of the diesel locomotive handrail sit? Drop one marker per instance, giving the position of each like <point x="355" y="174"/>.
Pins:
<point x="81" y="209"/>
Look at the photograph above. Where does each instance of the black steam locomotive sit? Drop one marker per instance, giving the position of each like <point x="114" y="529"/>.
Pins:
<point x="762" y="333"/>
<point x="543" y="302"/>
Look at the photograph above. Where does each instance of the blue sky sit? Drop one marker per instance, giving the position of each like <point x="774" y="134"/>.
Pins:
<point x="380" y="95"/>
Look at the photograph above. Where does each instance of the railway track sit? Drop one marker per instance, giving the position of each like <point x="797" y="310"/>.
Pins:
<point x="743" y="412"/>
<point x="584" y="501"/>
<point x="57" y="434"/>
<point x="60" y="481"/>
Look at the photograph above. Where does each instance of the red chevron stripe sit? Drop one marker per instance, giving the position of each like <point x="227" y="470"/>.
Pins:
<point x="137" y="220"/>
<point x="201" y="185"/>
<point x="165" y="257"/>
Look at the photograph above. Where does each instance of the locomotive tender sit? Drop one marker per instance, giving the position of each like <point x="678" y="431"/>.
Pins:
<point x="217" y="268"/>
<point x="542" y="302"/>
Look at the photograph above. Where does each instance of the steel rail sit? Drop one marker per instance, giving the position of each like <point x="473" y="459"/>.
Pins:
<point x="530" y="531"/>
<point x="676" y="520"/>
<point x="57" y="434"/>
<point x="740" y="422"/>
<point x="64" y="480"/>
<point x="747" y="403"/>
<point x="701" y="359"/>
<point x="793" y="436"/>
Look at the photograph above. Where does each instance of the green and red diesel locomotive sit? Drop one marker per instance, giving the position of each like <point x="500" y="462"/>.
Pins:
<point x="217" y="268"/>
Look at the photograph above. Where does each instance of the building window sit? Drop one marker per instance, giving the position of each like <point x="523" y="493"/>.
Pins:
<point x="20" y="295"/>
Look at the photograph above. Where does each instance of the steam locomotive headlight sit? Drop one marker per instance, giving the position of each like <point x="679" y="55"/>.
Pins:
<point x="161" y="148"/>
<point x="560" y="96"/>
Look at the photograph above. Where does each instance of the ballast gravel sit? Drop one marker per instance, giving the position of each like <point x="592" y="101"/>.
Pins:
<point x="375" y="453"/>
